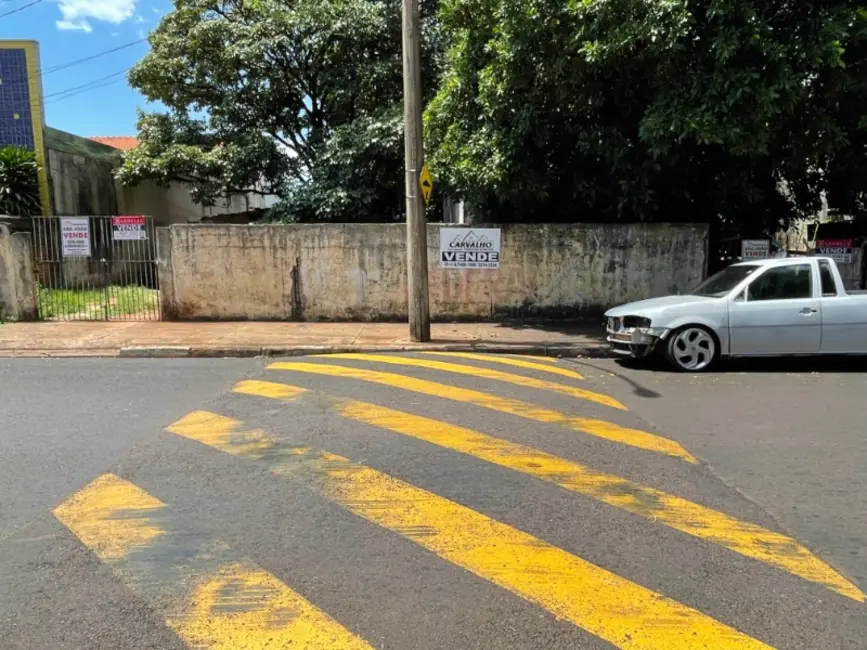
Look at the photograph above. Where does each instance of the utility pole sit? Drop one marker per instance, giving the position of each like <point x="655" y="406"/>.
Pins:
<point x="416" y="226"/>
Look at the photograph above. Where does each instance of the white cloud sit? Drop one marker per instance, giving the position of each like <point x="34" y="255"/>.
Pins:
<point x="142" y="34"/>
<point x="73" y="25"/>
<point x="77" y="12"/>
<point x="139" y="19"/>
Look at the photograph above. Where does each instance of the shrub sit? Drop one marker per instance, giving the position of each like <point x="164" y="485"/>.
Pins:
<point x="19" y="182"/>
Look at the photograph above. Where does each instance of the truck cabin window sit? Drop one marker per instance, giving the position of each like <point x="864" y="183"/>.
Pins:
<point x="829" y="287"/>
<point x="783" y="283"/>
<point x="719" y="285"/>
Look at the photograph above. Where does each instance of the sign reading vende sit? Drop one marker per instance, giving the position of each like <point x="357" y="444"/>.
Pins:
<point x="755" y="249"/>
<point x="128" y="228"/>
<point x="75" y="236"/>
<point x="470" y="248"/>
<point x="839" y="250"/>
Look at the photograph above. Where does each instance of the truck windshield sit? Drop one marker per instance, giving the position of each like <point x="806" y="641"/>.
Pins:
<point x="722" y="283"/>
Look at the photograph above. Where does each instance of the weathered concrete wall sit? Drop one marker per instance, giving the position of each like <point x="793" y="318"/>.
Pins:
<point x="174" y="204"/>
<point x="17" y="276"/>
<point x="358" y="271"/>
<point x="80" y="185"/>
<point x="80" y="174"/>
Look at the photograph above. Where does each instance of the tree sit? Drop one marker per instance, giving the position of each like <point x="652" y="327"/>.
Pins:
<point x="19" y="182"/>
<point x="737" y="112"/>
<point x="291" y="97"/>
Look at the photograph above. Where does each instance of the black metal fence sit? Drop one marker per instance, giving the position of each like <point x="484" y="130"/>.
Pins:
<point x="96" y="268"/>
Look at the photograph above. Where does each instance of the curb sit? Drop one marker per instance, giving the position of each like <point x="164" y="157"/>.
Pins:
<point x="561" y="350"/>
<point x="596" y="350"/>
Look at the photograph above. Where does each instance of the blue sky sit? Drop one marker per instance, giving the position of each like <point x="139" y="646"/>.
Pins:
<point x="68" y="30"/>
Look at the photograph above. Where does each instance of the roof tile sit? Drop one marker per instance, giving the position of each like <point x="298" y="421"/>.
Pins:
<point x="122" y="142"/>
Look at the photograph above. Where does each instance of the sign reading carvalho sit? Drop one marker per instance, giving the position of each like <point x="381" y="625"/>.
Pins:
<point x="470" y="248"/>
<point x="839" y="250"/>
<point x="128" y="228"/>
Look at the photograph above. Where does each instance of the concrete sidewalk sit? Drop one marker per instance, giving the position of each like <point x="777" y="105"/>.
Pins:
<point x="248" y="339"/>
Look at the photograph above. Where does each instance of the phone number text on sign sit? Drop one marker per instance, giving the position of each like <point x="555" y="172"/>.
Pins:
<point x="839" y="250"/>
<point x="75" y="237"/>
<point x="128" y="228"/>
<point x="469" y="248"/>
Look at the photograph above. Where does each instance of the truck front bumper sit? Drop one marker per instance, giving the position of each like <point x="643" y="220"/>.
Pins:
<point x="635" y="342"/>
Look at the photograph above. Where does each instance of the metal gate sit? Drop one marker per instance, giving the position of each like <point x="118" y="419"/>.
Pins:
<point x="96" y="268"/>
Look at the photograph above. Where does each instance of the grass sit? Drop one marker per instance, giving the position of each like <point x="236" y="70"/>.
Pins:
<point x="90" y="304"/>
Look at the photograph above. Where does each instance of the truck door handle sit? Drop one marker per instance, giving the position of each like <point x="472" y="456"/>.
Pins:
<point x="807" y="311"/>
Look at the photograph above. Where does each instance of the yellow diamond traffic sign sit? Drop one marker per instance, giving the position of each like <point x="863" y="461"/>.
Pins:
<point x="426" y="183"/>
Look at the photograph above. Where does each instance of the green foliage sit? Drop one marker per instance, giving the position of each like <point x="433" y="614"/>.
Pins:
<point x="738" y="112"/>
<point x="115" y="301"/>
<point x="358" y="174"/>
<point x="294" y="97"/>
<point x="743" y="113"/>
<point x="19" y="182"/>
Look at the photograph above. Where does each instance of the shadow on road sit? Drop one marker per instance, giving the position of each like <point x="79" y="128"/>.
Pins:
<point x="805" y="365"/>
<point x="637" y="389"/>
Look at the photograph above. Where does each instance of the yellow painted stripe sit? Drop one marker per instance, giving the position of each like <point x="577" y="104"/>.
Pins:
<point x="486" y="373"/>
<point x="598" y="428"/>
<point x="694" y="519"/>
<point x="621" y="612"/>
<point x="509" y="361"/>
<point x="246" y="608"/>
<point x="112" y="517"/>
<point x="691" y="518"/>
<point x="231" y="604"/>
<point x="267" y="389"/>
<point x="540" y="358"/>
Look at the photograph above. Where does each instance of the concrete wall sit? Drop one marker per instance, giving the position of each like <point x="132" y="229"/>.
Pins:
<point x="358" y="271"/>
<point x="173" y="204"/>
<point x="17" y="276"/>
<point x="81" y="174"/>
<point x="81" y="185"/>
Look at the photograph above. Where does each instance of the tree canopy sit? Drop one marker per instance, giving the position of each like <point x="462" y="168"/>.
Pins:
<point x="743" y="113"/>
<point x="299" y="98"/>
<point x="706" y="110"/>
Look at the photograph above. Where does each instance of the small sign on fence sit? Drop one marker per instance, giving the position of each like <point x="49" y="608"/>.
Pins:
<point x="75" y="236"/>
<point x="128" y="228"/>
<point x="839" y="250"/>
<point x="470" y="248"/>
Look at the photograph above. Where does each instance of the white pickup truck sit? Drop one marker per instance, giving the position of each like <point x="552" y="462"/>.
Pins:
<point x="780" y="307"/>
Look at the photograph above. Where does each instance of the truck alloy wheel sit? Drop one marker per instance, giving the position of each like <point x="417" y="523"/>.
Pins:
<point x="691" y="349"/>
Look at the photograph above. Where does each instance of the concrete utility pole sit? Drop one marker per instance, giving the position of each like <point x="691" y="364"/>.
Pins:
<point x="416" y="227"/>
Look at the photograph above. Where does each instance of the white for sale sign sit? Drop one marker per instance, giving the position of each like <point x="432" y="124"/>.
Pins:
<point x="755" y="249"/>
<point x="75" y="236"/>
<point x="470" y="248"/>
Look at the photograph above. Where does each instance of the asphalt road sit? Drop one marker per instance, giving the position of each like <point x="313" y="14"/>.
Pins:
<point x="397" y="502"/>
<point x="789" y="434"/>
<point x="63" y="421"/>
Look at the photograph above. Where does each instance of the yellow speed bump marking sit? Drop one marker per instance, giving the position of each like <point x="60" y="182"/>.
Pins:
<point x="750" y="540"/>
<point x="540" y="358"/>
<point x="487" y="373"/>
<point x="691" y="518"/>
<point x="598" y="428"/>
<point x="621" y="612"/>
<point x="509" y="361"/>
<point x="220" y="599"/>
<point x="267" y="389"/>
